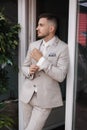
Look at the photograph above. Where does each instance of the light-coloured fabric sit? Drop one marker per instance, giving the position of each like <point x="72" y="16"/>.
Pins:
<point x="43" y="50"/>
<point x="54" y="70"/>
<point x="40" y="62"/>
<point x="33" y="115"/>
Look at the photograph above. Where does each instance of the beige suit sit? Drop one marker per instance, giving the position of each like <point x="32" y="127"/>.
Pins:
<point x="55" y="68"/>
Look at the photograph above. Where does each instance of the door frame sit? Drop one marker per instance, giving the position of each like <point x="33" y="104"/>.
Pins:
<point x="30" y="24"/>
<point x="71" y="77"/>
<point x="27" y="35"/>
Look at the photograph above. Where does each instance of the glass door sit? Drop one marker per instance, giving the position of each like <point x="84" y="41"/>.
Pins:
<point x="81" y="90"/>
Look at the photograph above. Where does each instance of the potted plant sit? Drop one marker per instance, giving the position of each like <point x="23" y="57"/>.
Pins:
<point x="8" y="44"/>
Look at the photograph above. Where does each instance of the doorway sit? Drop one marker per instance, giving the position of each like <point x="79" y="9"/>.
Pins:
<point x="61" y="10"/>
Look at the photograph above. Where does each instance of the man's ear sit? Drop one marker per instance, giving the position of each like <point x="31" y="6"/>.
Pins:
<point x="52" y="28"/>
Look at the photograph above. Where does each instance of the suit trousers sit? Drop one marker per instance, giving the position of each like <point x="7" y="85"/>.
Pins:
<point x="34" y="117"/>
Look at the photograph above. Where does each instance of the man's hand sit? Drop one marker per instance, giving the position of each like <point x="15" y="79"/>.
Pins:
<point x="36" y="54"/>
<point x="33" y="68"/>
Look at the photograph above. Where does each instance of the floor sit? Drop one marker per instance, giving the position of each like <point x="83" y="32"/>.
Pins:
<point x="59" y="128"/>
<point x="81" y="113"/>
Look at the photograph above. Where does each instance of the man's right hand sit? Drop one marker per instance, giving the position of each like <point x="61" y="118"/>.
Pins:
<point x="33" y="68"/>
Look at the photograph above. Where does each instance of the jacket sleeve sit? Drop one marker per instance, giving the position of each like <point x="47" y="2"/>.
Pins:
<point x="59" y="71"/>
<point x="26" y="65"/>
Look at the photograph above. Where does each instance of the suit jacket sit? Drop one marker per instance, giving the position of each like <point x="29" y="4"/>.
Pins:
<point x="55" y="68"/>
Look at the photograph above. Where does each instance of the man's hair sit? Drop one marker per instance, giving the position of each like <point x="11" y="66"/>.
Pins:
<point x="51" y="17"/>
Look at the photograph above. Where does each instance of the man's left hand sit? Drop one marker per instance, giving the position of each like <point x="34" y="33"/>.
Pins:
<point x="36" y="54"/>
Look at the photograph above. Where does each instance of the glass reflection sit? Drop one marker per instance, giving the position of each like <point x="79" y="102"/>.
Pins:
<point x="81" y="102"/>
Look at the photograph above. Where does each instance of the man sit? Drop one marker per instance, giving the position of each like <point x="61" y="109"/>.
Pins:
<point x="46" y="65"/>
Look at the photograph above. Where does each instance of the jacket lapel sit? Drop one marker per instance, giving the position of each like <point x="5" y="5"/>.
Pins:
<point x="52" y="48"/>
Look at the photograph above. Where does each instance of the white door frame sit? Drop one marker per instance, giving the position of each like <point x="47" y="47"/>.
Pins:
<point x="25" y="39"/>
<point x="70" y="85"/>
<point x="27" y="35"/>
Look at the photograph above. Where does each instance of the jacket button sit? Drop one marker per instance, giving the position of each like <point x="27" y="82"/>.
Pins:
<point x="34" y="85"/>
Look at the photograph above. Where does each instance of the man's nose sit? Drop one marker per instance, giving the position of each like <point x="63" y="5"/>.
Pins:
<point x="37" y="28"/>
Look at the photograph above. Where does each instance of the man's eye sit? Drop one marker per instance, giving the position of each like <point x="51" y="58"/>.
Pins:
<point x="41" y="25"/>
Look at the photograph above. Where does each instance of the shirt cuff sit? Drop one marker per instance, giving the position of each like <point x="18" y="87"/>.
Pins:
<point x="31" y="76"/>
<point x="40" y="62"/>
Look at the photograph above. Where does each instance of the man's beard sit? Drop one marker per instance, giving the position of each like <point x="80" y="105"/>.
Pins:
<point x="43" y="36"/>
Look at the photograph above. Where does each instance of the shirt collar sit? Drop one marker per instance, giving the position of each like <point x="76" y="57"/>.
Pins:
<point x="50" y="42"/>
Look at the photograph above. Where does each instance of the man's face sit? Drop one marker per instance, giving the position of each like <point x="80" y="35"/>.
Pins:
<point x="43" y="28"/>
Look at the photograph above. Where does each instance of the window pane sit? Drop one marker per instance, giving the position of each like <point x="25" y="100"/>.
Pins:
<point x="81" y="95"/>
